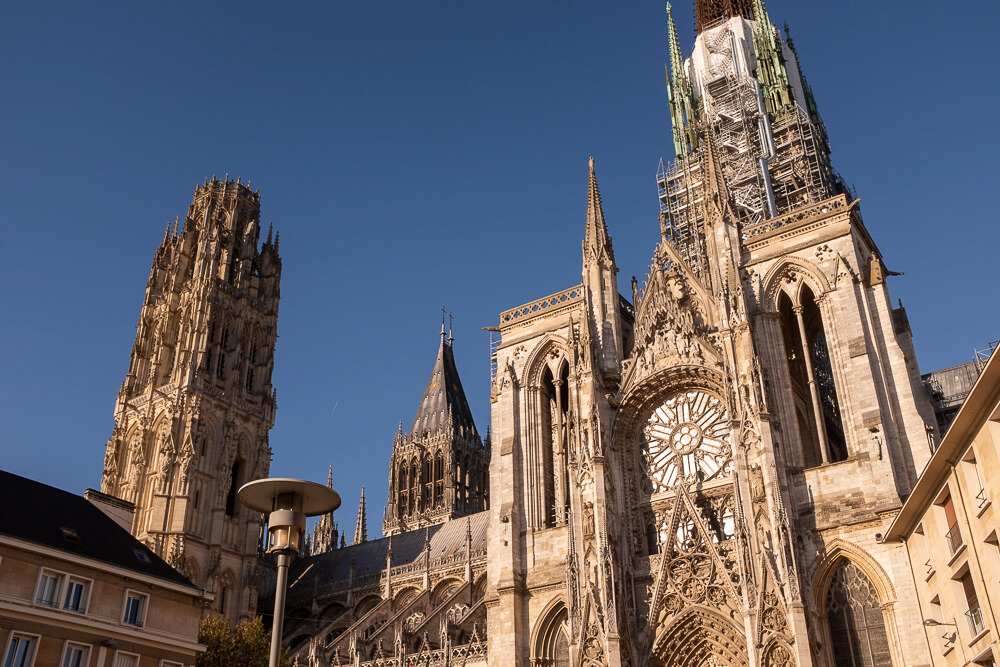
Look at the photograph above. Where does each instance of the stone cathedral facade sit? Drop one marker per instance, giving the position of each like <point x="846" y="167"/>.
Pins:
<point x="699" y="472"/>
<point x="193" y="414"/>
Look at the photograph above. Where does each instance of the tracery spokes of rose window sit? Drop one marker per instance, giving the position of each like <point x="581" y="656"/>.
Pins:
<point x="686" y="440"/>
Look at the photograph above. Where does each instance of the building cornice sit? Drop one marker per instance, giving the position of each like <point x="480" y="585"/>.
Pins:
<point x="102" y="566"/>
<point x="982" y="404"/>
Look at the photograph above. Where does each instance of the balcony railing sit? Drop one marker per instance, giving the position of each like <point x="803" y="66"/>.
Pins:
<point x="954" y="538"/>
<point x="976" y="621"/>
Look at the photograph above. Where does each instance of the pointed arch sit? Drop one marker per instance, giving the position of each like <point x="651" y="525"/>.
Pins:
<point x="789" y="275"/>
<point x="549" y="354"/>
<point x="405" y="597"/>
<point x="777" y="653"/>
<point x="226" y="596"/>
<point x="700" y="636"/>
<point x="550" y="637"/>
<point x="192" y="572"/>
<point x="839" y="550"/>
<point x="444" y="589"/>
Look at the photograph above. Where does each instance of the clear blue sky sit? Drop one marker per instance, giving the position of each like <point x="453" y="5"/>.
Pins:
<point x="418" y="154"/>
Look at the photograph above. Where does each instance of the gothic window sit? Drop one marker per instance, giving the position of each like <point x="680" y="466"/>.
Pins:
<point x="403" y="484"/>
<point x="857" y="628"/>
<point x="234" y="268"/>
<point x="438" y="480"/>
<point x="810" y="371"/>
<point x="427" y="483"/>
<point x="553" y="410"/>
<point x="552" y="640"/>
<point x="414" y="487"/>
<point x="234" y="485"/>
<point x="686" y="440"/>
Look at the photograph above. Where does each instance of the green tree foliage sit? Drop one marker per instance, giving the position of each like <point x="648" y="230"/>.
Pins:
<point x="247" y="646"/>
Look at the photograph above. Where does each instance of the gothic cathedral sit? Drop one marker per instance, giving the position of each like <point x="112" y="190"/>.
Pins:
<point x="697" y="473"/>
<point x="701" y="474"/>
<point x="193" y="414"/>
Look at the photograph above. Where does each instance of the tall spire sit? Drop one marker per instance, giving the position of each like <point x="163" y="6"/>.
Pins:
<point x="676" y="60"/>
<point x="597" y="242"/>
<point x="329" y="478"/>
<point x="361" y="526"/>
<point x="680" y="94"/>
<point x="806" y="88"/>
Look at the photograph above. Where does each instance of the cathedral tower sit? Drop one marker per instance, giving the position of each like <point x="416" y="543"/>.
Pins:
<point x="702" y="475"/>
<point x="193" y="414"/>
<point x="438" y="470"/>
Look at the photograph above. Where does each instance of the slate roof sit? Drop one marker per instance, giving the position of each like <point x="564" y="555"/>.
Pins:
<point x="54" y="518"/>
<point x="443" y="391"/>
<point x="308" y="574"/>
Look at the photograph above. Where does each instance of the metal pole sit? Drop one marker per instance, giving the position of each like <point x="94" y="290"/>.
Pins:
<point x="284" y="558"/>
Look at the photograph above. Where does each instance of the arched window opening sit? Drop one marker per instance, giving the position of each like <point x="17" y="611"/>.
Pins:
<point x="427" y="484"/>
<point x="810" y="372"/>
<point x="438" y="480"/>
<point x="403" y="483"/>
<point x="857" y="627"/>
<point x="552" y="644"/>
<point x="234" y="485"/>
<point x="554" y="415"/>
<point x="234" y="267"/>
<point x="414" y="487"/>
<point x="823" y="369"/>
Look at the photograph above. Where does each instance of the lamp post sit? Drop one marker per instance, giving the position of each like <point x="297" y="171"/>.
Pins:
<point x="954" y="639"/>
<point x="287" y="503"/>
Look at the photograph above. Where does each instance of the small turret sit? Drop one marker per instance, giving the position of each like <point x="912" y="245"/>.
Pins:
<point x="361" y="525"/>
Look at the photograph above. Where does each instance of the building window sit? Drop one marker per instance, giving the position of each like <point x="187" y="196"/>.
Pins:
<point x="76" y="595"/>
<point x="975" y="614"/>
<point x="857" y="628"/>
<point x="810" y="370"/>
<point x="134" y="610"/>
<point x="49" y="585"/>
<point x="954" y="534"/>
<point x="125" y="660"/>
<point x="20" y="650"/>
<point x="75" y="655"/>
<point x="169" y="663"/>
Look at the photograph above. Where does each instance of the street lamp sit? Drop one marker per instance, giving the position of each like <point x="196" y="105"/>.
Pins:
<point x="288" y="502"/>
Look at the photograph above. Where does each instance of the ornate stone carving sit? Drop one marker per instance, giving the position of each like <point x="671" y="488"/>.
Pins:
<point x="687" y="440"/>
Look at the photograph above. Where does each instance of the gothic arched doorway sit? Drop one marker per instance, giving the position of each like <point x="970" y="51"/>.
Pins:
<point x="701" y="638"/>
<point x="857" y="625"/>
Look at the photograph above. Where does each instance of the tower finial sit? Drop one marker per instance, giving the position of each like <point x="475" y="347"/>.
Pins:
<point x="329" y="478"/>
<point x="443" y="314"/>
<point x="676" y="61"/>
<point x="597" y="242"/>
<point x="361" y="525"/>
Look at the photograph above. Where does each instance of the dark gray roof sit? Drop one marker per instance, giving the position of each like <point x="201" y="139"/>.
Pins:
<point x="308" y="574"/>
<point x="443" y="392"/>
<point x="54" y="518"/>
